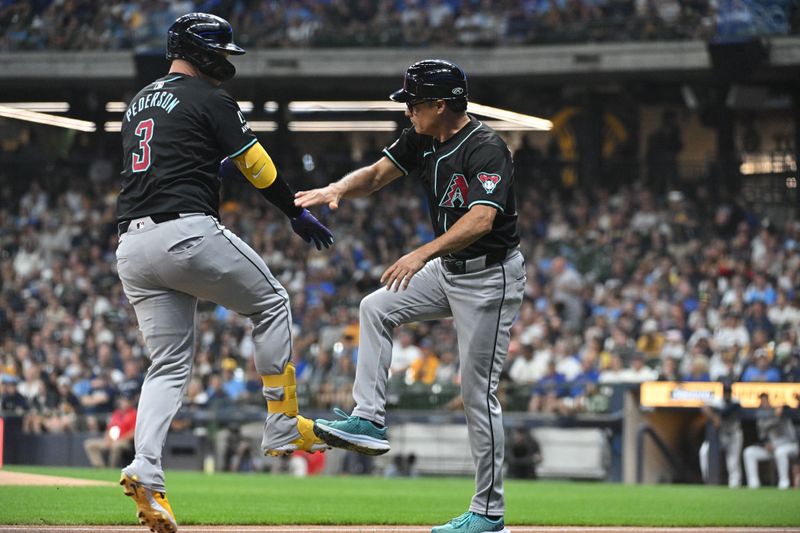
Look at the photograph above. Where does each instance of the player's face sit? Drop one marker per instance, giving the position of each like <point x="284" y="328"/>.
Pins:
<point x="423" y="115"/>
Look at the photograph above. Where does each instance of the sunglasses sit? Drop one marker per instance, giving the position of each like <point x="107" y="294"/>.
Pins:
<point x="412" y="105"/>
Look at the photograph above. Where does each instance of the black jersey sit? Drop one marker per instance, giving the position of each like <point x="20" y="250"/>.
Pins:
<point x="175" y="132"/>
<point x="472" y="167"/>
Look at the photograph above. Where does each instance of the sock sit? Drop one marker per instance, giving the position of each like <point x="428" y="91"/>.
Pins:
<point x="493" y="518"/>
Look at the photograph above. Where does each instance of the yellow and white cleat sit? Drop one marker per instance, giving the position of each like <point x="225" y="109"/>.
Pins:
<point x="154" y="509"/>
<point x="307" y="441"/>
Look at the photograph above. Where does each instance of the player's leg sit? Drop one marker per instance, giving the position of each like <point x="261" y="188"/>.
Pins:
<point x="752" y="456"/>
<point x="484" y="306"/>
<point x="166" y="320"/>
<point x="703" y="454"/>
<point x="733" y="460"/>
<point x="222" y="268"/>
<point x="379" y="313"/>
<point x="783" y="456"/>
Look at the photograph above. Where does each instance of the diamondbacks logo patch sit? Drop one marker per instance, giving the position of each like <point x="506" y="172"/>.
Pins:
<point x="456" y="193"/>
<point x="489" y="181"/>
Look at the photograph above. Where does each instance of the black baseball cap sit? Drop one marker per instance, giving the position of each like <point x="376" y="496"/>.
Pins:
<point x="432" y="79"/>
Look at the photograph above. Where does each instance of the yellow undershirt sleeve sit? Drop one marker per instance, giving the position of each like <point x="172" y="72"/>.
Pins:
<point x="257" y="166"/>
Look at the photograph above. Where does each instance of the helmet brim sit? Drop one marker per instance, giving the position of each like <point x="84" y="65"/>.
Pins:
<point x="401" y="95"/>
<point x="229" y="48"/>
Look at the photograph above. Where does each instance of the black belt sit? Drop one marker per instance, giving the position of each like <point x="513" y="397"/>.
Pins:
<point x="158" y="218"/>
<point x="475" y="264"/>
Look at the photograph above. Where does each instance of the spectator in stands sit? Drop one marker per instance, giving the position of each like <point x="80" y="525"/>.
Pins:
<point x="232" y="379"/>
<point x="725" y="416"/>
<point x="651" y="341"/>
<point x="11" y="401"/>
<point x="118" y="437"/>
<point x="447" y="371"/>
<point x="588" y="376"/>
<point x="423" y="369"/>
<point x="669" y="370"/>
<point x="638" y="372"/>
<point x="547" y="391"/>
<point x="777" y="440"/>
<point x="567" y="288"/>
<point x="698" y="369"/>
<point x="757" y="320"/>
<point x="524" y="370"/>
<point x="404" y="352"/>
<point x="761" y="369"/>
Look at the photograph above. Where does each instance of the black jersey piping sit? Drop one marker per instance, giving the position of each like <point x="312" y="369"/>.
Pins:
<point x="489" y="385"/>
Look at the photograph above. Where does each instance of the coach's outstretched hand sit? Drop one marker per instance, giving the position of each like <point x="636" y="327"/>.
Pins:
<point x="325" y="195"/>
<point x="310" y="229"/>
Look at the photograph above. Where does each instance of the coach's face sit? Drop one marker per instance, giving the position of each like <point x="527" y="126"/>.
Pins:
<point x="424" y="115"/>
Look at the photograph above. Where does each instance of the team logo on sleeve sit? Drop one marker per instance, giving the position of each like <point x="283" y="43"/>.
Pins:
<point x="489" y="181"/>
<point x="456" y="193"/>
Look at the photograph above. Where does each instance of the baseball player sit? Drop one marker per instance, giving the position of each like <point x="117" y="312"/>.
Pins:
<point x="725" y="416"/>
<point x="472" y="271"/>
<point x="172" y="249"/>
<point x="777" y="440"/>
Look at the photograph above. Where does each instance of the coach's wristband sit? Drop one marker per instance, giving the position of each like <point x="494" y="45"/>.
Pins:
<point x="281" y="196"/>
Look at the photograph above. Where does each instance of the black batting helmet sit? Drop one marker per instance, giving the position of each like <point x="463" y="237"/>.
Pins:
<point x="432" y="79"/>
<point x="205" y="41"/>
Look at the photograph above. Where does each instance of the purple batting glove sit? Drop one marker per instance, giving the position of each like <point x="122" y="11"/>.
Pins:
<point x="228" y="171"/>
<point x="310" y="229"/>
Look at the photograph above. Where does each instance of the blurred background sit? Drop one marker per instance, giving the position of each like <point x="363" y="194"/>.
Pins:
<point x="655" y="145"/>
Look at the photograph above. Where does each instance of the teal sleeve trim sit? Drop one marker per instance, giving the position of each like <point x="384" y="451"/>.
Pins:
<point x="242" y="149"/>
<point x="393" y="160"/>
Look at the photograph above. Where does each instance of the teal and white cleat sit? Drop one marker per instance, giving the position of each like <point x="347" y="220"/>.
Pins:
<point x="470" y="522"/>
<point x="353" y="433"/>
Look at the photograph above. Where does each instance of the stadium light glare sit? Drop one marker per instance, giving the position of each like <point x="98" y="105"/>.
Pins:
<point x="342" y="125"/>
<point x="262" y="125"/>
<point x="534" y="123"/>
<point x="529" y="122"/>
<point x="116" y="107"/>
<point x="113" y="126"/>
<point x="317" y="106"/>
<point x="119" y="107"/>
<point x="502" y="125"/>
<point x="44" y="107"/>
<point x="44" y="118"/>
<point x="270" y="107"/>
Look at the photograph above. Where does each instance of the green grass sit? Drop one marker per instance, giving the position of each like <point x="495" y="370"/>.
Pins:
<point x="265" y="499"/>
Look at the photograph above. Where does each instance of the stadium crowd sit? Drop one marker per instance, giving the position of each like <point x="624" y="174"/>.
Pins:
<point x="622" y="287"/>
<point x="142" y="24"/>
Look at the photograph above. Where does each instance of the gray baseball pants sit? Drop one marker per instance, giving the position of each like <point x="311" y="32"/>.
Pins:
<point x="165" y="268"/>
<point x="483" y="305"/>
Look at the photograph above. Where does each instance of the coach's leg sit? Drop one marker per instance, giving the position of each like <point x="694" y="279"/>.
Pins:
<point x="484" y="306"/>
<point x="381" y="312"/>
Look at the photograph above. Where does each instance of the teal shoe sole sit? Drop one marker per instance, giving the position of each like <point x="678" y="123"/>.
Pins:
<point x="349" y="441"/>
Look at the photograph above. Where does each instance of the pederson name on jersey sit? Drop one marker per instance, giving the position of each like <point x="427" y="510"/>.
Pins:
<point x="165" y="100"/>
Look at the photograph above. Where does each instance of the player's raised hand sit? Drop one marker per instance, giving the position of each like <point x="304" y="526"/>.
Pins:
<point x="325" y="195"/>
<point x="399" y="275"/>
